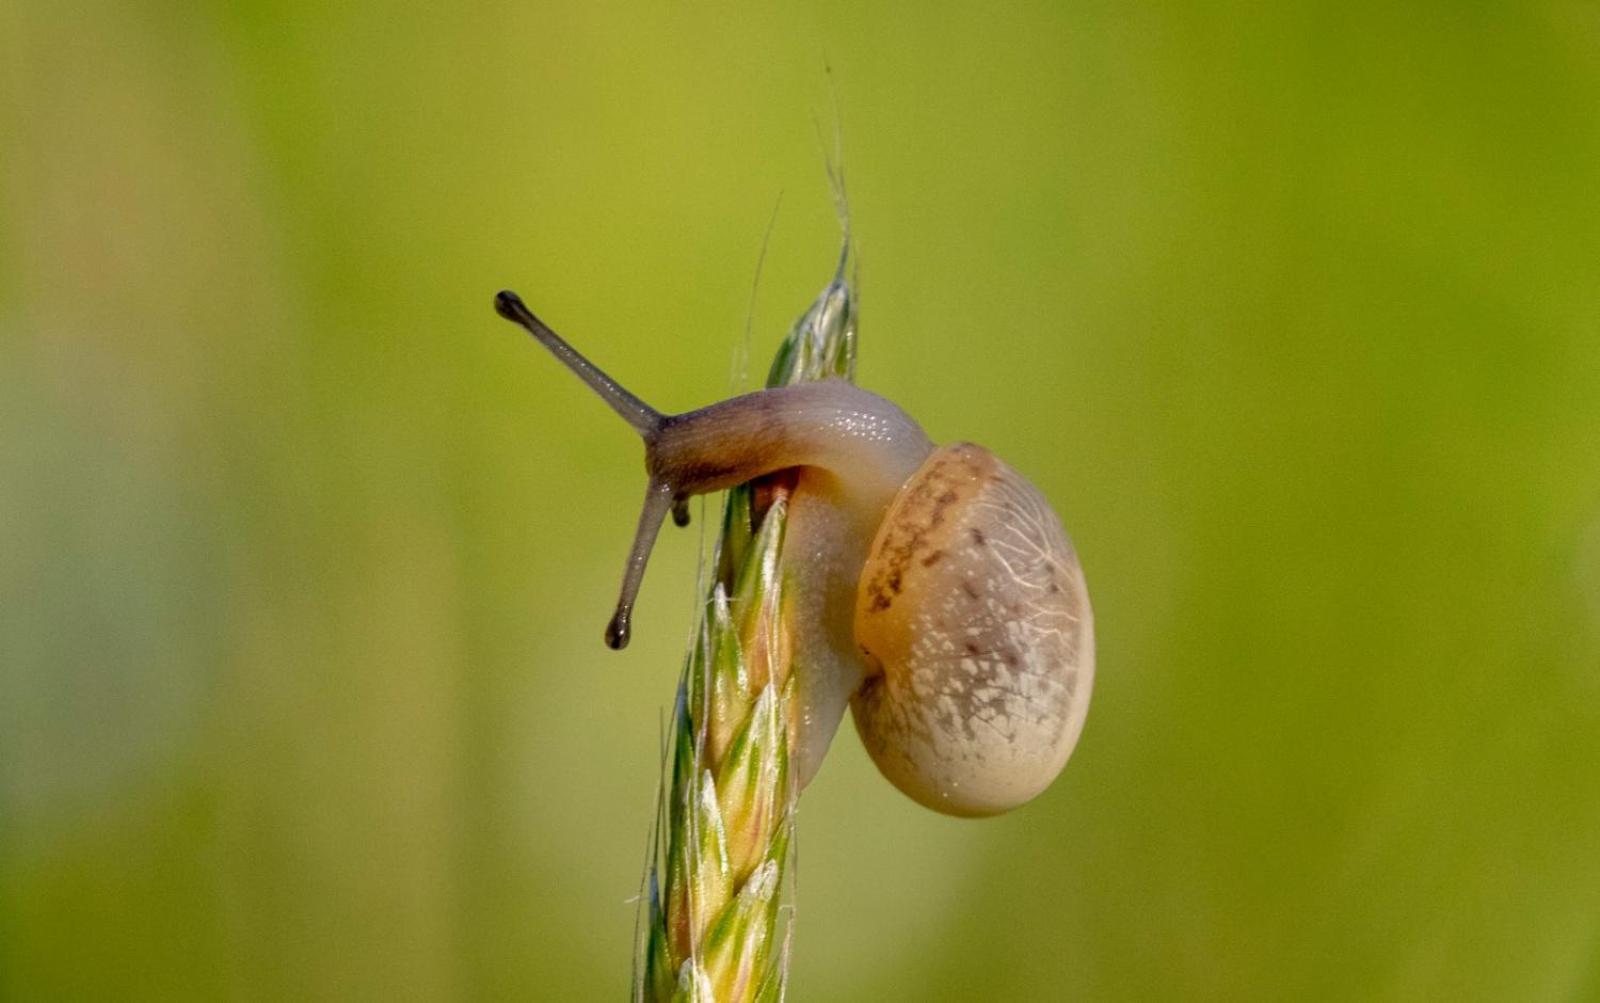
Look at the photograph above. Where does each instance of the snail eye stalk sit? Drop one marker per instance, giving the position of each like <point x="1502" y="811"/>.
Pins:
<point x="659" y="499"/>
<point x="644" y="418"/>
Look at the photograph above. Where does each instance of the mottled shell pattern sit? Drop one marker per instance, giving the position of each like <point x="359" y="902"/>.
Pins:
<point x="974" y="616"/>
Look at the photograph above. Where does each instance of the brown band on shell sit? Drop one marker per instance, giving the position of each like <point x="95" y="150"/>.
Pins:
<point x="907" y="534"/>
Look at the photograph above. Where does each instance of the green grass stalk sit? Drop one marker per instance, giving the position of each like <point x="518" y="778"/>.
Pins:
<point x="715" y="927"/>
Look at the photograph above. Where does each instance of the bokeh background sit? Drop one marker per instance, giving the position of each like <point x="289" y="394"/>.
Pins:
<point x="1293" y="309"/>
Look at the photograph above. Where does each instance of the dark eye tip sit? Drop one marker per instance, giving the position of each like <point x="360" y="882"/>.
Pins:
<point x="508" y="304"/>
<point x="618" y="632"/>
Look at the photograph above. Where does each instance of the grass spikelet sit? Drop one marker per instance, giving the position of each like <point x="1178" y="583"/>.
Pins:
<point x="713" y="916"/>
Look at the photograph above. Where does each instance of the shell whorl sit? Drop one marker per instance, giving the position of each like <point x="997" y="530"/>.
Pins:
<point x="974" y="615"/>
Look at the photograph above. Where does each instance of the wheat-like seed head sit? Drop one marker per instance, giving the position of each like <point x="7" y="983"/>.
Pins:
<point x="722" y="847"/>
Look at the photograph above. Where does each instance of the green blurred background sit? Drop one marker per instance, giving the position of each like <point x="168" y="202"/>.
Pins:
<point x="1293" y="309"/>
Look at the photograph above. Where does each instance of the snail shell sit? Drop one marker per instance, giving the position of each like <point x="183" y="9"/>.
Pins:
<point x="974" y="614"/>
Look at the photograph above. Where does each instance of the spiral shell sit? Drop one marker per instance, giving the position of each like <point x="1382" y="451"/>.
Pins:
<point x="973" y="614"/>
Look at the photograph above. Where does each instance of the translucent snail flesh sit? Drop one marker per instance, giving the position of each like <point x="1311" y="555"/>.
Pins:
<point x="935" y="590"/>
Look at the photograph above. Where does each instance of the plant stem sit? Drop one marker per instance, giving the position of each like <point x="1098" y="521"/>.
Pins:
<point x="720" y="869"/>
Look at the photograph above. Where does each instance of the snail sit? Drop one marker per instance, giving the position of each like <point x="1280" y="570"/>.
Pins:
<point x="936" y="592"/>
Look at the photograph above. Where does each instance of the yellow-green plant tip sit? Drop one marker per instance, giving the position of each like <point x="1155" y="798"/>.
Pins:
<point x="713" y="842"/>
<point x="698" y="669"/>
<point x="742" y="937"/>
<point x="758" y="596"/>
<point x="772" y="981"/>
<point x="752" y="784"/>
<point x="683" y="737"/>
<point x="711" y="882"/>
<point x="680" y="801"/>
<point x="695" y="684"/>
<point x="716" y="930"/>
<point x="693" y="985"/>
<point x="778" y="846"/>
<point x="822" y="343"/>
<point x="658" y="977"/>
<point x="737" y="533"/>
<point x="729" y="678"/>
<point x="760" y="568"/>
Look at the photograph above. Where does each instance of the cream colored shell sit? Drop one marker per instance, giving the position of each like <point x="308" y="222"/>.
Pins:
<point x="973" y="613"/>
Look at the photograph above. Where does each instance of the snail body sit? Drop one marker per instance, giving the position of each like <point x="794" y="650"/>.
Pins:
<point x="936" y="593"/>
